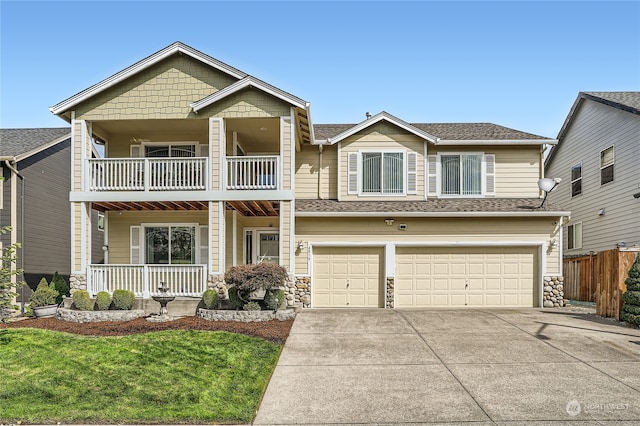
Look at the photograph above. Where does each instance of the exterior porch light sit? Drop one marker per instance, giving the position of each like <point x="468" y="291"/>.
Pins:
<point x="105" y="248"/>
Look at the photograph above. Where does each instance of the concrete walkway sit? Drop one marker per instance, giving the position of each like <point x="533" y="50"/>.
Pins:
<point x="502" y="366"/>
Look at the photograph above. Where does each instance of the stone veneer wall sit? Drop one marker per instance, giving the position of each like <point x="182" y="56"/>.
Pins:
<point x="389" y="293"/>
<point x="77" y="282"/>
<point x="97" y="316"/>
<point x="246" y="316"/>
<point x="553" y="292"/>
<point x="302" y="291"/>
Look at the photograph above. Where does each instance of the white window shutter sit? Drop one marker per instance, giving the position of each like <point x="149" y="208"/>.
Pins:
<point x="432" y="175"/>
<point x="490" y="174"/>
<point x="412" y="172"/>
<point x="204" y="150"/>
<point x="136" y="151"/>
<point x="352" y="173"/>
<point x="136" y="252"/>
<point x="204" y="245"/>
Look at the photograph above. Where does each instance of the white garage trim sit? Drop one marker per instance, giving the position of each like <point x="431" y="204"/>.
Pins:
<point x="389" y="271"/>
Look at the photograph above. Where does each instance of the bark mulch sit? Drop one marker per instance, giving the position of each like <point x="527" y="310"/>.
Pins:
<point x="274" y="331"/>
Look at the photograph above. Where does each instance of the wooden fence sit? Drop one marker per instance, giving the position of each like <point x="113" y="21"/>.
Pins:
<point x="598" y="278"/>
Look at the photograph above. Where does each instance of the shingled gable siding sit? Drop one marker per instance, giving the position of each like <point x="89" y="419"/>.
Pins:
<point x="386" y="137"/>
<point x="247" y="103"/>
<point x="374" y="229"/>
<point x="517" y="169"/>
<point x="164" y="90"/>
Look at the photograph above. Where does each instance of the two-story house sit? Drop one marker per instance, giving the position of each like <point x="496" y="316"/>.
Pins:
<point x="207" y="167"/>
<point x="598" y="156"/>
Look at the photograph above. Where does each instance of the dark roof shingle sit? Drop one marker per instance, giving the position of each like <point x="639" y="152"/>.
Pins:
<point x="14" y="142"/>
<point x="628" y="101"/>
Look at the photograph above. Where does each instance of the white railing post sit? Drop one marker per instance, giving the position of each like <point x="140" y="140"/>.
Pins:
<point x="145" y="282"/>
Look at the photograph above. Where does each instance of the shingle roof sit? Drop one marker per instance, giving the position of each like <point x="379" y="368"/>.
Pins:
<point x="428" y="207"/>
<point x="14" y="142"/>
<point x="446" y="131"/>
<point x="628" y="101"/>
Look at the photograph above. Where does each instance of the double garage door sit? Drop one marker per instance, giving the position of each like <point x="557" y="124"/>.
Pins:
<point x="426" y="277"/>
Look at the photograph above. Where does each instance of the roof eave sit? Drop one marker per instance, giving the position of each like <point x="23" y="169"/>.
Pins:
<point x="532" y="212"/>
<point x="43" y="147"/>
<point x="496" y="142"/>
<point x="140" y="66"/>
<point x="376" y="119"/>
<point x="244" y="83"/>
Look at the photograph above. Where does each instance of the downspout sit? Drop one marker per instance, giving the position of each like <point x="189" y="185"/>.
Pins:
<point x="320" y="172"/>
<point x="17" y="173"/>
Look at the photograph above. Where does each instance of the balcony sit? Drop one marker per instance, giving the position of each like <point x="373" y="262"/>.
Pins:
<point x="147" y="174"/>
<point x="180" y="174"/>
<point x="253" y="172"/>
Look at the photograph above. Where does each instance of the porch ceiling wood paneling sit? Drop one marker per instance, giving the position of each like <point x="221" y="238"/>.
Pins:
<point x="245" y="208"/>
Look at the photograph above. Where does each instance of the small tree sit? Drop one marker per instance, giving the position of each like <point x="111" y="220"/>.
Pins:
<point x="61" y="286"/>
<point x="631" y="298"/>
<point x="7" y="288"/>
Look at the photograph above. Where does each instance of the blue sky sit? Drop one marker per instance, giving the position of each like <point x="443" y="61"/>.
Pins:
<point x="518" y="64"/>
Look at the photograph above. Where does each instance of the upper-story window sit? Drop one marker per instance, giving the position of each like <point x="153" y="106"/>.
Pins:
<point x="576" y="180"/>
<point x="382" y="172"/>
<point x="461" y="174"/>
<point x="606" y="165"/>
<point x="169" y="150"/>
<point x="574" y="236"/>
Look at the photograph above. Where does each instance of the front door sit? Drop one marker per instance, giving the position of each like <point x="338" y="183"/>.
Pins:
<point x="262" y="246"/>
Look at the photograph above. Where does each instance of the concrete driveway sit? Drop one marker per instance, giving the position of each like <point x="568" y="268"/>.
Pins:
<point x="501" y="366"/>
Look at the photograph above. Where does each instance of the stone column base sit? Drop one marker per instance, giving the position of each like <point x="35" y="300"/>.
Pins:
<point x="553" y="292"/>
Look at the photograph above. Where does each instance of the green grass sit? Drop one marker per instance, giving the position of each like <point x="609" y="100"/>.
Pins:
<point x="160" y="377"/>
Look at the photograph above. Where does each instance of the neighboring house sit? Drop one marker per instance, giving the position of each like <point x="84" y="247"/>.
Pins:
<point x="34" y="201"/>
<point x="598" y="159"/>
<point x="207" y="167"/>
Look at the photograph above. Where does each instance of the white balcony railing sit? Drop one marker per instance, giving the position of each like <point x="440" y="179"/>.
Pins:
<point x="144" y="280"/>
<point x="147" y="174"/>
<point x="253" y="172"/>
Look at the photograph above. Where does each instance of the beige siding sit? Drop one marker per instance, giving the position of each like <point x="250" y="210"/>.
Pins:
<point x="76" y="221"/>
<point x="247" y="103"/>
<point x="425" y="230"/>
<point x="382" y="136"/>
<point x="285" y="233"/>
<point x="228" y="251"/>
<point x="121" y="222"/>
<point x="596" y="127"/>
<point x="286" y="154"/>
<point x="517" y="168"/>
<point x="76" y="152"/>
<point x="310" y="175"/>
<point x="215" y="139"/>
<point x="164" y="90"/>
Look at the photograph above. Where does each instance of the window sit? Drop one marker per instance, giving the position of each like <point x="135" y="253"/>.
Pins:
<point x="461" y="174"/>
<point x="170" y="245"/>
<point x="606" y="165"/>
<point x="152" y="151"/>
<point x="574" y="236"/>
<point x="576" y="180"/>
<point x="383" y="172"/>
<point x="261" y="246"/>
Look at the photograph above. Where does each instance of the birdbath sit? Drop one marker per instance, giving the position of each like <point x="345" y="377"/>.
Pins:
<point x="163" y="299"/>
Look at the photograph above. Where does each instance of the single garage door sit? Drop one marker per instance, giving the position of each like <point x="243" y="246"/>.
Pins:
<point x="471" y="276"/>
<point x="347" y="277"/>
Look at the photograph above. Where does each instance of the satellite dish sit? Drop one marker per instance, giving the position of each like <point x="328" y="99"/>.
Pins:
<point x="547" y="185"/>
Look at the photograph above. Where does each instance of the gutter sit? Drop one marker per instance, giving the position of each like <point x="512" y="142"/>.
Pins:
<point x="435" y="214"/>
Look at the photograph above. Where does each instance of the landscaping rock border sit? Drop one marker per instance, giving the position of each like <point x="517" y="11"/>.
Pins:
<point x="246" y="316"/>
<point x="73" y="315"/>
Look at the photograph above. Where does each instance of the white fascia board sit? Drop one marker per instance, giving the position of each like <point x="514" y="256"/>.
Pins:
<point x="312" y="133"/>
<point x="140" y="66"/>
<point x="434" y="214"/>
<point x="377" y="118"/>
<point x="133" y="196"/>
<point x="43" y="147"/>
<point x="457" y="243"/>
<point x="497" y="142"/>
<point x="248" y="81"/>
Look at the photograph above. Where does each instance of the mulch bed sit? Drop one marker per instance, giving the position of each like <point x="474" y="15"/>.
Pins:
<point x="274" y="331"/>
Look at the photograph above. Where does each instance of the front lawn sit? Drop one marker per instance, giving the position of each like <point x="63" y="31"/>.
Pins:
<point x="179" y="376"/>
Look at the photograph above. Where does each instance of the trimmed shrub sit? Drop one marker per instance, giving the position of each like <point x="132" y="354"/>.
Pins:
<point x="252" y="306"/>
<point x="61" y="286"/>
<point x="123" y="300"/>
<point x="210" y="299"/>
<point x="44" y="295"/>
<point x="257" y="276"/>
<point x="103" y="301"/>
<point x="82" y="300"/>
<point x="631" y="298"/>
<point x="238" y="298"/>
<point x="270" y="298"/>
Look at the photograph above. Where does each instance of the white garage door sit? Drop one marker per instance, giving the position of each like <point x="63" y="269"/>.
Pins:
<point x="472" y="276"/>
<point x="347" y="277"/>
